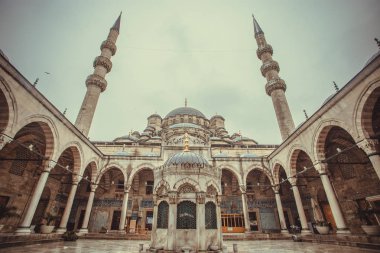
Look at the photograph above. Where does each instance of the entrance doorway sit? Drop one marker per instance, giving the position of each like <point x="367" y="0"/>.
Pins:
<point x="253" y="222"/>
<point x="115" y="220"/>
<point x="149" y="220"/>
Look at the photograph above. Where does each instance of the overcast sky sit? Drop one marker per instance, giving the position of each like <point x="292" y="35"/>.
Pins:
<point x="203" y="50"/>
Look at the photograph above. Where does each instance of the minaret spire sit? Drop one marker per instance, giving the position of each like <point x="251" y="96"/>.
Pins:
<point x="275" y="86"/>
<point x="95" y="82"/>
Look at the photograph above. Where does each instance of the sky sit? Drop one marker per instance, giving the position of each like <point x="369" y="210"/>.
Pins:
<point x="204" y="51"/>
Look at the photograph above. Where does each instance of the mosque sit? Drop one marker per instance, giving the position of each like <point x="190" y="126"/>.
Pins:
<point x="185" y="180"/>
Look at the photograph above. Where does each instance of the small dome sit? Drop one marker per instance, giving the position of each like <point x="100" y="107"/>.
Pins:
<point x="221" y="155"/>
<point x="185" y="111"/>
<point x="154" y="116"/>
<point x="186" y="158"/>
<point x="217" y="116"/>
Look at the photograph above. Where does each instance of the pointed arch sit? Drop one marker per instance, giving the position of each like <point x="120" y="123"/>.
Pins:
<point x="109" y="167"/>
<point x="255" y="167"/>
<point x="77" y="152"/>
<point x="187" y="180"/>
<point x="292" y="158"/>
<point x="276" y="171"/>
<point x="162" y="183"/>
<point x="8" y="107"/>
<point x="231" y="169"/>
<point x="320" y="135"/>
<point x="140" y="167"/>
<point x="364" y="110"/>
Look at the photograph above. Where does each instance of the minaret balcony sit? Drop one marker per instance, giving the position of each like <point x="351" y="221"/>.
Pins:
<point x="265" y="49"/>
<point x="96" y="80"/>
<point x="104" y="62"/>
<point x="268" y="66"/>
<point x="275" y="84"/>
<point x="110" y="45"/>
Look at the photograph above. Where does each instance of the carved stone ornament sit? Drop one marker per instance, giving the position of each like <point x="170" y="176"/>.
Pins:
<point x="265" y="49"/>
<point x="218" y="200"/>
<point x="104" y="62"/>
<point x="110" y="45"/>
<point x="154" y="199"/>
<point x="267" y="66"/>
<point x="369" y="146"/>
<point x="275" y="84"/>
<point x="172" y="197"/>
<point x="201" y="197"/>
<point x="97" y="80"/>
<point x="51" y="165"/>
<point x="243" y="188"/>
<point x="127" y="187"/>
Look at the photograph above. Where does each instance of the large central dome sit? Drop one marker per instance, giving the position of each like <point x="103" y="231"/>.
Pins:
<point x="185" y="111"/>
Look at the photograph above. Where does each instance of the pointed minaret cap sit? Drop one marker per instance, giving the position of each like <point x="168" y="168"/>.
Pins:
<point x="116" y="26"/>
<point x="258" y="29"/>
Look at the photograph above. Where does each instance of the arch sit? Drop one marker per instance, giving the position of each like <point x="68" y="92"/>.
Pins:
<point x="364" y="109"/>
<point x="211" y="182"/>
<point x="187" y="180"/>
<point x="186" y="188"/>
<point x="77" y="152"/>
<point x="319" y="137"/>
<point x="210" y="215"/>
<point x="231" y="169"/>
<point x="163" y="214"/>
<point x="276" y="171"/>
<point x="138" y="169"/>
<point x="162" y="183"/>
<point x="255" y="167"/>
<point x="109" y="167"/>
<point x="8" y="107"/>
<point x="92" y="168"/>
<point x="49" y="129"/>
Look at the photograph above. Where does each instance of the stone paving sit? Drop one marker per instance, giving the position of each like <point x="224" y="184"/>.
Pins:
<point x="122" y="246"/>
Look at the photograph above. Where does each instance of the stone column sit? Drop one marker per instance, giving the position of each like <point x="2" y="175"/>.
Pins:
<point x="245" y="208"/>
<point x="24" y="227"/>
<point x="369" y="146"/>
<point x="301" y="211"/>
<point x="172" y="224"/>
<point x="153" y="237"/>
<point x="280" y="212"/>
<point x="66" y="214"/>
<point x="219" y="220"/>
<point x="201" y="225"/>
<point x="124" y="209"/>
<point x="332" y="199"/>
<point x="86" y="218"/>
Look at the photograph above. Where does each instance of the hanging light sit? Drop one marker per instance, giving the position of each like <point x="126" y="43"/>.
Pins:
<point x="339" y="150"/>
<point x="31" y="147"/>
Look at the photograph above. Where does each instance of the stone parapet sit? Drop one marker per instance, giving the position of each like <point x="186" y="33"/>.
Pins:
<point x="110" y="45"/>
<point x="275" y="84"/>
<point x="268" y="66"/>
<point x="96" y="80"/>
<point x="104" y="62"/>
<point x="265" y="49"/>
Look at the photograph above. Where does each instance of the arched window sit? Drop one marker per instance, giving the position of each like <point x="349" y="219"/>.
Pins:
<point x="163" y="215"/>
<point x="210" y="216"/>
<point x="186" y="215"/>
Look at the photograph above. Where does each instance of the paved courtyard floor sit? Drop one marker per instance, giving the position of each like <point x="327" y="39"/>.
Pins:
<point x="121" y="246"/>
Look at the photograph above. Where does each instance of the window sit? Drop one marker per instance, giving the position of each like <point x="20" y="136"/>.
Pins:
<point x="186" y="215"/>
<point x="163" y="215"/>
<point x="210" y="216"/>
<point x="149" y="187"/>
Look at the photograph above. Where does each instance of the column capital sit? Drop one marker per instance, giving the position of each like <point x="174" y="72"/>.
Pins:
<point x="4" y="140"/>
<point x="127" y="187"/>
<point x="51" y="165"/>
<point x="369" y="146"/>
<point x="320" y="167"/>
<point x="243" y="188"/>
<point x="93" y="187"/>
<point x="292" y="181"/>
<point x="201" y="197"/>
<point x="276" y="188"/>
<point x="172" y="197"/>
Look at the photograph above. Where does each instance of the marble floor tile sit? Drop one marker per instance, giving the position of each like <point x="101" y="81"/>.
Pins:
<point x="121" y="246"/>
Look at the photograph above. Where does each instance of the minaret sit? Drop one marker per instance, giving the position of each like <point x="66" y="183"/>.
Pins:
<point x="95" y="82"/>
<point x="275" y="86"/>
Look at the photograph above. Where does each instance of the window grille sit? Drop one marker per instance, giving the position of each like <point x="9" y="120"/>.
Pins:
<point x="186" y="188"/>
<point x="186" y="215"/>
<point x="163" y="215"/>
<point x="21" y="161"/>
<point x="210" y="216"/>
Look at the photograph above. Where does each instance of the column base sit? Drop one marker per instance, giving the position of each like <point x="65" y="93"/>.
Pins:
<point x="60" y="230"/>
<point x="23" y="231"/>
<point x="344" y="231"/>
<point x="284" y="231"/>
<point x="83" y="231"/>
<point x="305" y="231"/>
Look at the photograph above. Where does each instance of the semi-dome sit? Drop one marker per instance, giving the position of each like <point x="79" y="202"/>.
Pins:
<point x="185" y="111"/>
<point x="186" y="158"/>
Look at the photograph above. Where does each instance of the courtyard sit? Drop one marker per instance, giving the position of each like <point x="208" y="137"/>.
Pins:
<point x="123" y="246"/>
